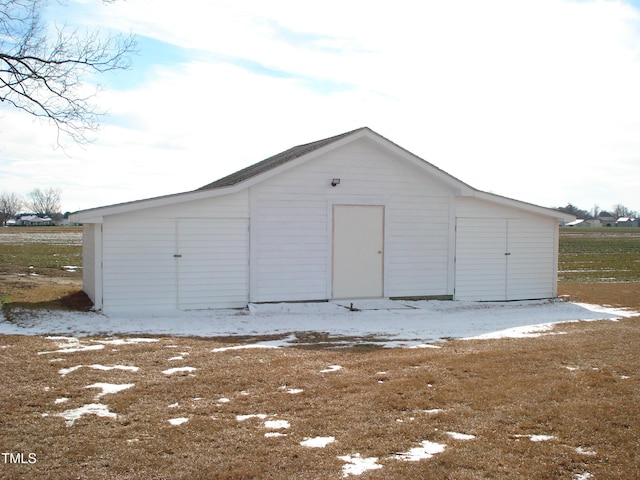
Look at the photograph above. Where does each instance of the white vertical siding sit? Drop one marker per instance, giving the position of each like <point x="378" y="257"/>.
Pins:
<point x="288" y="247"/>
<point x="140" y="270"/>
<point x="291" y="217"/>
<point x="503" y="253"/>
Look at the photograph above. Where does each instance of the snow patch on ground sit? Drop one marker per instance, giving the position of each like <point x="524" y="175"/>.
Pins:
<point x="292" y="391"/>
<point x="178" y="421"/>
<point x="241" y="347"/>
<point x="331" y="368"/>
<point x="537" y="438"/>
<point x="242" y="418"/>
<point x="68" y="345"/>
<point x="127" y="341"/>
<point x="109" y="388"/>
<point x="98" y="409"/>
<point x="461" y="436"/>
<point x="427" y="450"/>
<point x="171" y="371"/>
<point x="357" y="465"/>
<point x="317" y="442"/>
<point x="66" y="371"/>
<point x="276" y="424"/>
<point x="584" y="451"/>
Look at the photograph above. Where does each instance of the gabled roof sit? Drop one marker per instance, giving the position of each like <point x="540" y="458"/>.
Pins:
<point x="296" y="155"/>
<point x="277" y="160"/>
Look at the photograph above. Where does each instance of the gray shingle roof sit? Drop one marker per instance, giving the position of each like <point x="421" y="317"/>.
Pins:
<point x="275" y="161"/>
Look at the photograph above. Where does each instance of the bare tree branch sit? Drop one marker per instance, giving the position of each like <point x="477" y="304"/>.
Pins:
<point x="43" y="74"/>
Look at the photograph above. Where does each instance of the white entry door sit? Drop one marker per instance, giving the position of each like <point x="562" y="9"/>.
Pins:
<point x="212" y="264"/>
<point x="481" y="259"/>
<point x="358" y="243"/>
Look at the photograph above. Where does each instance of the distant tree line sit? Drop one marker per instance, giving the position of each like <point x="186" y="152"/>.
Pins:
<point x="39" y="202"/>
<point x="617" y="211"/>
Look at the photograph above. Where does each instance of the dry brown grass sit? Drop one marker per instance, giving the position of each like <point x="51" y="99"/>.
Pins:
<point x="581" y="387"/>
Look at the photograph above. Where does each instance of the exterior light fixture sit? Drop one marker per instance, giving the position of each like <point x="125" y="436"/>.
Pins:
<point x="335" y="181"/>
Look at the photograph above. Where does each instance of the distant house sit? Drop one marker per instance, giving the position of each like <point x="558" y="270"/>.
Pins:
<point x="33" y="221"/>
<point x="627" y="222"/>
<point x="350" y="216"/>
<point x="606" y="219"/>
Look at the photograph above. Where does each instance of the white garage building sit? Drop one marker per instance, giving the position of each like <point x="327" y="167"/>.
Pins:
<point x="351" y="216"/>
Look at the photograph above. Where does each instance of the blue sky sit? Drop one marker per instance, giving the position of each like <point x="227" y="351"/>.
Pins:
<point x="535" y="100"/>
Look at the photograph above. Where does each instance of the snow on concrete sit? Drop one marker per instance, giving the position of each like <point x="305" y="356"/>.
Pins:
<point x="420" y="323"/>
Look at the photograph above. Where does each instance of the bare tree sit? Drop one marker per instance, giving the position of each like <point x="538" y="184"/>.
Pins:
<point x="45" y="202"/>
<point x="42" y="73"/>
<point x="10" y="204"/>
<point x="620" y="210"/>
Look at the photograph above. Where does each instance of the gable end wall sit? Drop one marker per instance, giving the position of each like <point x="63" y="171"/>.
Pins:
<point x="291" y="225"/>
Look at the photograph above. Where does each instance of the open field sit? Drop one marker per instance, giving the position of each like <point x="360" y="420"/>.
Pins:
<point x="599" y="254"/>
<point x="40" y="267"/>
<point x="559" y="406"/>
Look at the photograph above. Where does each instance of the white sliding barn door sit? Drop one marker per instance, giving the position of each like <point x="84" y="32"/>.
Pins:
<point x="504" y="259"/>
<point x="212" y="263"/>
<point x="358" y="243"/>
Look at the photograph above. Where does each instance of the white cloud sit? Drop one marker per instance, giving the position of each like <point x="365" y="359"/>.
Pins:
<point x="534" y="100"/>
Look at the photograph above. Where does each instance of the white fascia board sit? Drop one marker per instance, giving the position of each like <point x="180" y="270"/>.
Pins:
<point x="527" y="207"/>
<point x="95" y="215"/>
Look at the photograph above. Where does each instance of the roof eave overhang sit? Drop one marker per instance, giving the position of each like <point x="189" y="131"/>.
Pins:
<point x="523" y="206"/>
<point x="458" y="187"/>
<point x="96" y="215"/>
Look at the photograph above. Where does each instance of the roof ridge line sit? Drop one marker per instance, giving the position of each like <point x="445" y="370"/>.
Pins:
<point x="277" y="160"/>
